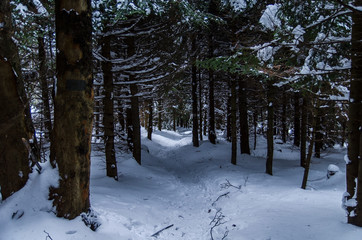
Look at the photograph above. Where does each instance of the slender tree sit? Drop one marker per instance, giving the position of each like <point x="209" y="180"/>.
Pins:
<point x="108" y="104"/>
<point x="195" y="123"/>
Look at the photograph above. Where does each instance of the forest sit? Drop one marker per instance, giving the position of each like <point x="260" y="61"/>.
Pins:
<point x="180" y="119"/>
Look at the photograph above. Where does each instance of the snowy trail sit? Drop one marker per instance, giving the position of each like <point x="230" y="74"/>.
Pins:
<point x="187" y="187"/>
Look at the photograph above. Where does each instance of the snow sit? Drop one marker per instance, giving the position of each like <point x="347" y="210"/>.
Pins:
<point x="194" y="192"/>
<point x="269" y="19"/>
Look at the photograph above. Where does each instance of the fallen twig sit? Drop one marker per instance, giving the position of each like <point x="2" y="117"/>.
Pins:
<point x="163" y="229"/>
<point x="48" y="236"/>
<point x="218" y="198"/>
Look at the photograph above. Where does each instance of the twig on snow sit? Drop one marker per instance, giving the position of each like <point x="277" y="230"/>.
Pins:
<point x="163" y="229"/>
<point x="48" y="236"/>
<point x="228" y="185"/>
<point x="218" y="198"/>
<point x="217" y="221"/>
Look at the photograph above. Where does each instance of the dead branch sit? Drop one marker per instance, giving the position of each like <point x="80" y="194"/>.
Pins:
<point x="163" y="229"/>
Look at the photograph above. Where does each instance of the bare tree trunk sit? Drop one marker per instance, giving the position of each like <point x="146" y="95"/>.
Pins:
<point x="136" y="124"/>
<point x="309" y="156"/>
<point x="354" y="167"/>
<point x="159" y="120"/>
<point x="73" y="117"/>
<point x="303" y="132"/>
<point x="243" y="118"/>
<point x="150" y="119"/>
<point x="318" y="134"/>
<point x="200" y="106"/>
<point x="212" y="132"/>
<point x="195" y="122"/>
<point x="108" y="105"/>
<point x="296" y="119"/>
<point x="233" y="122"/>
<point x="284" y="117"/>
<point x="270" y="131"/>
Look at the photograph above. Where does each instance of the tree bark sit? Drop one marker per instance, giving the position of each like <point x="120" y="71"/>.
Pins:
<point x="200" y="107"/>
<point x="310" y="153"/>
<point x="296" y="119"/>
<point x="159" y="120"/>
<point x="73" y="117"/>
<point x="270" y="131"/>
<point x="318" y="134"/>
<point x="211" y="132"/>
<point x="195" y="122"/>
<point x="136" y="140"/>
<point x="303" y="132"/>
<point x="108" y="105"/>
<point x="233" y="122"/>
<point x="354" y="167"/>
<point x="243" y="118"/>
<point x="284" y="117"/>
<point x="14" y="160"/>
<point x="150" y="119"/>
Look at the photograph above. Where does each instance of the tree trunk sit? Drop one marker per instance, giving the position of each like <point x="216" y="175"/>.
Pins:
<point x="200" y="107"/>
<point x="284" y="117"/>
<point x="136" y="124"/>
<point x="270" y="131"/>
<point x="228" y="118"/>
<point x="233" y="122"/>
<point x="14" y="161"/>
<point x="354" y="167"/>
<point x="303" y="132"/>
<point x="44" y="87"/>
<point x="159" y="120"/>
<point x="310" y="153"/>
<point x="108" y="104"/>
<point x="243" y="115"/>
<point x="195" y="122"/>
<point x="73" y="117"/>
<point x="212" y="132"/>
<point x="255" y="121"/>
<point x="150" y="119"/>
<point x="318" y="134"/>
<point x="296" y="119"/>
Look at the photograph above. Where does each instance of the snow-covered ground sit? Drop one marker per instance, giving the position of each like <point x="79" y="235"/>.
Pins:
<point x="195" y="192"/>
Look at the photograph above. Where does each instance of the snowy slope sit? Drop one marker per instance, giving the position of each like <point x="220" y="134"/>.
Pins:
<point x="195" y="192"/>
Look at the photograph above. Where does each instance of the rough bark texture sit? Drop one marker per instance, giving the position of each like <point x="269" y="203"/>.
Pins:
<point x="354" y="168"/>
<point x="108" y="104"/>
<point x="243" y="118"/>
<point x="233" y="122"/>
<point x="73" y="117"/>
<point x="195" y="122"/>
<point x="296" y="119"/>
<point x="14" y="161"/>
